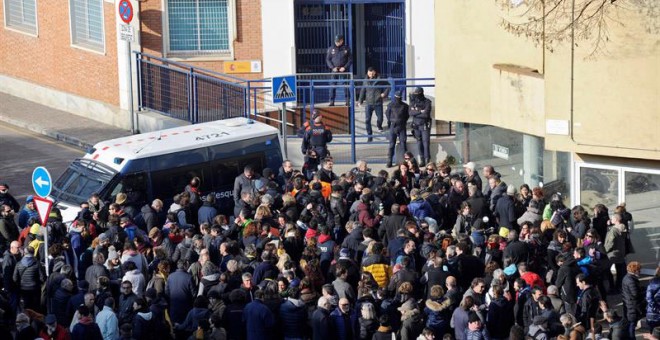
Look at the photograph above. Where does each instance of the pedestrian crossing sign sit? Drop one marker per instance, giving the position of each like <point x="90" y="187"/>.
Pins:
<point x="284" y="89"/>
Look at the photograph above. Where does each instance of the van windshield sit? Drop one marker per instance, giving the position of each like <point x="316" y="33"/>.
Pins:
<point x="83" y="178"/>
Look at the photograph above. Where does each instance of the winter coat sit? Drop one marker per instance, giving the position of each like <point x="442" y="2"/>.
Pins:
<point x="368" y="328"/>
<point x="438" y="313"/>
<point x="293" y="318"/>
<point x="412" y="325"/>
<point x="108" y="323"/>
<point x="468" y="267"/>
<point x="265" y="270"/>
<point x="60" y="303"/>
<point x="653" y="301"/>
<point x="615" y="245"/>
<point x="30" y="273"/>
<point x="125" y="310"/>
<point x="181" y="292"/>
<point x="459" y="321"/>
<point x="378" y="267"/>
<point x="191" y="322"/>
<point x="420" y="209"/>
<point x="86" y="329"/>
<point x="518" y="251"/>
<point x="619" y="329"/>
<point x="93" y="273"/>
<point x="505" y="212"/>
<point x="148" y="218"/>
<point x="499" y="319"/>
<point x="322" y="325"/>
<point x="633" y="298"/>
<point x="481" y="334"/>
<point x="365" y="218"/>
<point x="206" y="213"/>
<point x="259" y="321"/>
<point x="566" y="280"/>
<point x="344" y="289"/>
<point x="143" y="326"/>
<point x="344" y="324"/>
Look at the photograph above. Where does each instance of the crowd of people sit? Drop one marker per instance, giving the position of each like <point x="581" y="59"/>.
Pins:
<point x="418" y="253"/>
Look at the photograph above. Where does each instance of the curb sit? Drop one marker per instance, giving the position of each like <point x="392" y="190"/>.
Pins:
<point x="68" y="139"/>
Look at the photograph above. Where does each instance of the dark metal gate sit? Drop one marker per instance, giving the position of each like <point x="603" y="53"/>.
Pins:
<point x="384" y="38"/>
<point x="382" y="44"/>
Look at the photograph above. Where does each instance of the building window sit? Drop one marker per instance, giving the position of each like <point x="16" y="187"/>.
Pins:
<point x="199" y="27"/>
<point x="87" y="24"/>
<point x="21" y="15"/>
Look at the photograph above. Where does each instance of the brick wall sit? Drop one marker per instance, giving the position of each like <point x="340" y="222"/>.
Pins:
<point x="247" y="46"/>
<point x="51" y="61"/>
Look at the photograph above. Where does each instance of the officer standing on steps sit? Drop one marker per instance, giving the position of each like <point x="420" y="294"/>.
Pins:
<point x="397" y="116"/>
<point x="338" y="58"/>
<point x="316" y="137"/>
<point x="374" y="91"/>
<point x="420" y="111"/>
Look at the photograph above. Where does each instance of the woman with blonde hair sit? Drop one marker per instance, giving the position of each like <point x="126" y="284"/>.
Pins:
<point x="368" y="321"/>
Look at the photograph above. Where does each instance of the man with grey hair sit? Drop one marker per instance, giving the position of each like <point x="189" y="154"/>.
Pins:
<point x="322" y="327"/>
<point x="557" y="302"/>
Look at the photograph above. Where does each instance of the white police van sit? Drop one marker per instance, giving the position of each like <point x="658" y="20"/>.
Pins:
<point x="160" y="164"/>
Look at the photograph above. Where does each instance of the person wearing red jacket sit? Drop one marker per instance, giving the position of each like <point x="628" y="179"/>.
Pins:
<point x="531" y="278"/>
<point x="53" y="330"/>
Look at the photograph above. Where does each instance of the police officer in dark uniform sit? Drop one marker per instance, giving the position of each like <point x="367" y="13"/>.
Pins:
<point x="338" y="59"/>
<point x="317" y="137"/>
<point x="420" y="111"/>
<point x="397" y="116"/>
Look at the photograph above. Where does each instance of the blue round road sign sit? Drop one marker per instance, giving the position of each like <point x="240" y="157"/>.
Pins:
<point x="41" y="181"/>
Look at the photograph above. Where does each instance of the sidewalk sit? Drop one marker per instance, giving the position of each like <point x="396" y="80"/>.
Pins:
<point x="60" y="125"/>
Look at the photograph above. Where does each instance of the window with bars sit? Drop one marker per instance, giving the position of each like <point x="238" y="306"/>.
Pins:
<point x="21" y="15"/>
<point x="199" y="27"/>
<point x="87" y="24"/>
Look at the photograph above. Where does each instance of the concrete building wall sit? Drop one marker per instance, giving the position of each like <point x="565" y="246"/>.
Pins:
<point x="616" y="97"/>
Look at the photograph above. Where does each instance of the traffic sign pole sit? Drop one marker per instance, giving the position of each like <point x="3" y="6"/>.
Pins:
<point x="44" y="206"/>
<point x="284" y="130"/>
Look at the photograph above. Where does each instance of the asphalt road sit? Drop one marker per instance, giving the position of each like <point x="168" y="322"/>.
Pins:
<point x="22" y="151"/>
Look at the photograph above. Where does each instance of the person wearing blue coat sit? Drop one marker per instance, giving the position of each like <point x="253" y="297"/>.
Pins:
<point x="345" y="321"/>
<point x="293" y="316"/>
<point x="207" y="211"/>
<point x="181" y="291"/>
<point x="418" y="207"/>
<point x="199" y="312"/>
<point x="322" y="325"/>
<point x="258" y="318"/>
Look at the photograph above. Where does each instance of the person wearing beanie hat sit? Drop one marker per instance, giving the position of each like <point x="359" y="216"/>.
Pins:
<point x="397" y="116"/>
<point x="504" y="211"/>
<point x="29" y="212"/>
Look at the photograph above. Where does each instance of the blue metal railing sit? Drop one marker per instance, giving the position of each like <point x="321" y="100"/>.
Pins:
<point x="198" y="95"/>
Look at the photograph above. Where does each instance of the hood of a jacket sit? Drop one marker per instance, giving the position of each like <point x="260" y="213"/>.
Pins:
<point x="27" y="260"/>
<point x="212" y="277"/>
<point x="324" y="238"/>
<point x="296" y="302"/>
<point x="145" y="315"/>
<point x="438" y="305"/>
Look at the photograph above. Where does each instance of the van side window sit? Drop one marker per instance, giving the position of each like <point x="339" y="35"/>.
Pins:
<point x="167" y="183"/>
<point x="226" y="170"/>
<point x="135" y="188"/>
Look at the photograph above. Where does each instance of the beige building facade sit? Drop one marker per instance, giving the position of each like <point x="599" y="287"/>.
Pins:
<point x="583" y="123"/>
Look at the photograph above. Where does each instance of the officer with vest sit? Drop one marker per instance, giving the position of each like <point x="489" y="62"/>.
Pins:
<point x="338" y="59"/>
<point x="317" y="137"/>
<point x="420" y="111"/>
<point x="397" y="116"/>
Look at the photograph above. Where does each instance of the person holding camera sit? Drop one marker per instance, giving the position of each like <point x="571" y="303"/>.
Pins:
<point x="420" y="111"/>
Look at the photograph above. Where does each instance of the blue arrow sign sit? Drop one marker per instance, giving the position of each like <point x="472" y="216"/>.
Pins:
<point x="284" y="89"/>
<point x="41" y="181"/>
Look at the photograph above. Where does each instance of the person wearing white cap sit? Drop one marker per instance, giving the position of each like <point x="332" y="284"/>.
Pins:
<point x="504" y="209"/>
<point x="472" y="176"/>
